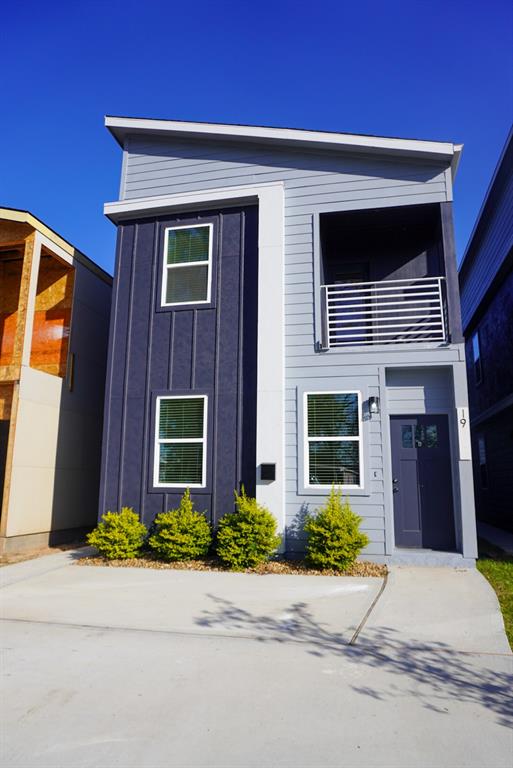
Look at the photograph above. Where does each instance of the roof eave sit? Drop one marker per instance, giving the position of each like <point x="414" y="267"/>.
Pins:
<point x="121" y="127"/>
<point x="23" y="216"/>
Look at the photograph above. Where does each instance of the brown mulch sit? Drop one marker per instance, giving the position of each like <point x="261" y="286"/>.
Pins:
<point x="285" y="567"/>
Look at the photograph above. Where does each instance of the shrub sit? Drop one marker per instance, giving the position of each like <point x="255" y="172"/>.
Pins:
<point x="118" y="535"/>
<point x="247" y="536"/>
<point x="181" y="534"/>
<point x="334" y="536"/>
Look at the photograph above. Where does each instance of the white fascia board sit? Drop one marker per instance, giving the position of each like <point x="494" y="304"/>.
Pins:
<point x="436" y="150"/>
<point x="148" y="206"/>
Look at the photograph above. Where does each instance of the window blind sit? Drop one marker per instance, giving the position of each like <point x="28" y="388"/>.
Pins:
<point x="187" y="265"/>
<point x="333" y="439"/>
<point x="180" y="441"/>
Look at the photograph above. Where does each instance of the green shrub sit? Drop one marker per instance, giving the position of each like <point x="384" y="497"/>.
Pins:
<point x="247" y="536"/>
<point x="181" y="534"/>
<point x="118" y="535"/>
<point x="334" y="536"/>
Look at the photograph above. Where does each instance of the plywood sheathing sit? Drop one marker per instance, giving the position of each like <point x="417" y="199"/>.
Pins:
<point x="13" y="232"/>
<point x="32" y="222"/>
<point x="8" y="461"/>
<point x="11" y="264"/>
<point x="52" y="317"/>
<point x="5" y="401"/>
<point x="11" y="372"/>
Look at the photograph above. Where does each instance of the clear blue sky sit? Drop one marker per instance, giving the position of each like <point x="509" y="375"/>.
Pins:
<point x="438" y="70"/>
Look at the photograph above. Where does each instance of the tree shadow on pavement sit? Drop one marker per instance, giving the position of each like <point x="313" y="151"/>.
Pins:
<point x="435" y="673"/>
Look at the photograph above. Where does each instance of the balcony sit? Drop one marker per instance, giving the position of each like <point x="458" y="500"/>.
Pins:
<point x="384" y="312"/>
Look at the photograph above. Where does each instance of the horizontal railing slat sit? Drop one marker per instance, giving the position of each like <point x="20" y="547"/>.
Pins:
<point x="390" y="311"/>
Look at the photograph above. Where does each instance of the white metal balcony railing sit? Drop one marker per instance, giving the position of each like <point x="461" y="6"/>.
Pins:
<point x="385" y="312"/>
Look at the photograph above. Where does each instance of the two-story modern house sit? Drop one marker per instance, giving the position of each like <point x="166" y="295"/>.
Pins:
<point x="486" y="284"/>
<point x="54" y="322"/>
<point x="286" y="316"/>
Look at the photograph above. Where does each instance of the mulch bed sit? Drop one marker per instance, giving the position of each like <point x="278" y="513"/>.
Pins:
<point x="286" y="567"/>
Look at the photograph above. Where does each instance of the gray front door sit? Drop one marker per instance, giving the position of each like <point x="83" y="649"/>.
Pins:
<point x="422" y="482"/>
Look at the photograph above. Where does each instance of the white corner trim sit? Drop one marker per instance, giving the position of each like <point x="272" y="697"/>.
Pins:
<point x="271" y="349"/>
<point x="270" y="446"/>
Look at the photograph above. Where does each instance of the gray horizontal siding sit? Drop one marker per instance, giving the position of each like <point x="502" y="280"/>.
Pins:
<point x="157" y="167"/>
<point x="314" y="182"/>
<point x="419" y="391"/>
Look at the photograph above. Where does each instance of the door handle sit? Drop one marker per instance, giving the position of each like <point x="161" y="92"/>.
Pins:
<point x="395" y="481"/>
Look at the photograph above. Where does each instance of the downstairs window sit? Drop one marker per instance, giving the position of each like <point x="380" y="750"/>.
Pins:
<point x="180" y="441"/>
<point x="333" y="439"/>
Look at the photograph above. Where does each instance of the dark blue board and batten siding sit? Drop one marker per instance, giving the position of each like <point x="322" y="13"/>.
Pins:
<point x="205" y="350"/>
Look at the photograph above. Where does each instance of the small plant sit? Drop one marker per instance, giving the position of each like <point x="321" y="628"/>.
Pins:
<point x="334" y="536"/>
<point x="118" y="535"/>
<point x="247" y="536"/>
<point x="181" y="534"/>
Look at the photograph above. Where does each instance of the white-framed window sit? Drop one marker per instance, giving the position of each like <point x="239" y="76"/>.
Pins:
<point x="333" y="439"/>
<point x="187" y="265"/>
<point x="180" y="441"/>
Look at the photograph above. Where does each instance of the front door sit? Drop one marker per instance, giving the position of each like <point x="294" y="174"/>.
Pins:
<point x="422" y="482"/>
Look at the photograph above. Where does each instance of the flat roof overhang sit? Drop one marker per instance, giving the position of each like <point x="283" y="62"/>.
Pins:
<point x="438" y="151"/>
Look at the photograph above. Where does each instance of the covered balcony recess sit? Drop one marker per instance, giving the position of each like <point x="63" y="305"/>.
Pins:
<point x="383" y="277"/>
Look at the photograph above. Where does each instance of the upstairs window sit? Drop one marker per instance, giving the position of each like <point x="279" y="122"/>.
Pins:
<point x="476" y="353"/>
<point x="187" y="265"/>
<point x="333" y="449"/>
<point x="180" y="442"/>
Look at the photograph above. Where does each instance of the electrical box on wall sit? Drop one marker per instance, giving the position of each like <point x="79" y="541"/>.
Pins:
<point x="268" y="472"/>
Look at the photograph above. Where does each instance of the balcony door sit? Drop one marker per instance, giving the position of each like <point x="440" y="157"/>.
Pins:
<point x="422" y="482"/>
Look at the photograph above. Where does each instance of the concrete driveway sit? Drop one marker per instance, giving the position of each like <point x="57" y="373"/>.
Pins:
<point x="136" y="667"/>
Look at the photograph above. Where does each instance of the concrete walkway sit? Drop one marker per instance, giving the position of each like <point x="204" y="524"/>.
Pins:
<point x="148" y="668"/>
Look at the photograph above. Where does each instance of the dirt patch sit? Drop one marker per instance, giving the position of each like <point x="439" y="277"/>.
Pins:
<point x="286" y="567"/>
<point x="10" y="558"/>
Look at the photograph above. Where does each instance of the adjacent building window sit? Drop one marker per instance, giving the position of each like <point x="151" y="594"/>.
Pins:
<point x="476" y="353"/>
<point x="181" y="441"/>
<point x="333" y="439"/>
<point x="483" y="468"/>
<point x="187" y="265"/>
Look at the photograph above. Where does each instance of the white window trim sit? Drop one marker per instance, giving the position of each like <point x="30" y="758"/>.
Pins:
<point x="166" y="267"/>
<point x="307" y="439"/>
<point x="160" y="441"/>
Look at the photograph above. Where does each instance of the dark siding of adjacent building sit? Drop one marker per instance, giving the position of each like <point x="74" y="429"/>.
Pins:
<point x="495" y="330"/>
<point x="206" y="350"/>
<point x="486" y="283"/>
<point x="494" y="498"/>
